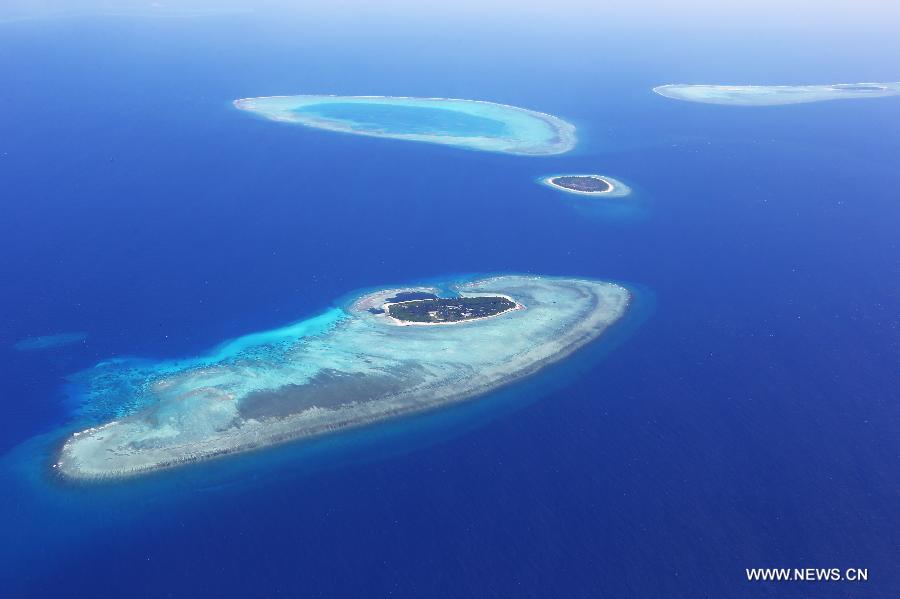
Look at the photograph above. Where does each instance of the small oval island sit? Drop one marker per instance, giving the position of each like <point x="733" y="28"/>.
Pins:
<point x="468" y="124"/>
<point x="49" y="341"/>
<point x="592" y="185"/>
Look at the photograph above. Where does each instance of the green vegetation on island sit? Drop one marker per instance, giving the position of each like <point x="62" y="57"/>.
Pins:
<point x="774" y="95"/>
<point x="456" y="309"/>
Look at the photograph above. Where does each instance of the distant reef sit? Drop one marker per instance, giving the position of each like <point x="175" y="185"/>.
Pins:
<point x="344" y="368"/>
<point x="773" y="95"/>
<point x="468" y="124"/>
<point x="49" y="341"/>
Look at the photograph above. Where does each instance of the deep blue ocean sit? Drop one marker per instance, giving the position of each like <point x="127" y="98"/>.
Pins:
<point x="744" y="415"/>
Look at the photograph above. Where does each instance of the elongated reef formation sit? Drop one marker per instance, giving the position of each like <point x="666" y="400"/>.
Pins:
<point x="347" y="367"/>
<point x="449" y="310"/>
<point x="772" y="95"/>
<point x="469" y="124"/>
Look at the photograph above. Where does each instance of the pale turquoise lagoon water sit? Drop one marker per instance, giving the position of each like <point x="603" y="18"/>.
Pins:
<point x="402" y="119"/>
<point x="469" y="124"/>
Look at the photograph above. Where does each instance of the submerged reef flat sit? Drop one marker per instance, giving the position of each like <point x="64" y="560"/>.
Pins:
<point x="772" y="95"/>
<point x="49" y="341"/>
<point x="353" y="367"/>
<point x="470" y="124"/>
<point x="587" y="185"/>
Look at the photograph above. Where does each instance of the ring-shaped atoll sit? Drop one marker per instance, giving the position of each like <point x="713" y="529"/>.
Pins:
<point x="469" y="124"/>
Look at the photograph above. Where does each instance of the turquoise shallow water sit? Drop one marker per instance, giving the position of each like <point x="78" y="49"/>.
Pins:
<point x="407" y="119"/>
<point x="117" y="387"/>
<point x="469" y="124"/>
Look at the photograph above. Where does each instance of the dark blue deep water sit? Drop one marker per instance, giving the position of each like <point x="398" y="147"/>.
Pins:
<point x="745" y="414"/>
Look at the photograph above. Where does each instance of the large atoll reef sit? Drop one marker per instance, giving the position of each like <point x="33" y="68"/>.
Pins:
<point x="771" y="95"/>
<point x="469" y="124"/>
<point x="347" y="367"/>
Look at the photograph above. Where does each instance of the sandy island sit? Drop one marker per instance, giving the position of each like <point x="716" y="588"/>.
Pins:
<point x="616" y="189"/>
